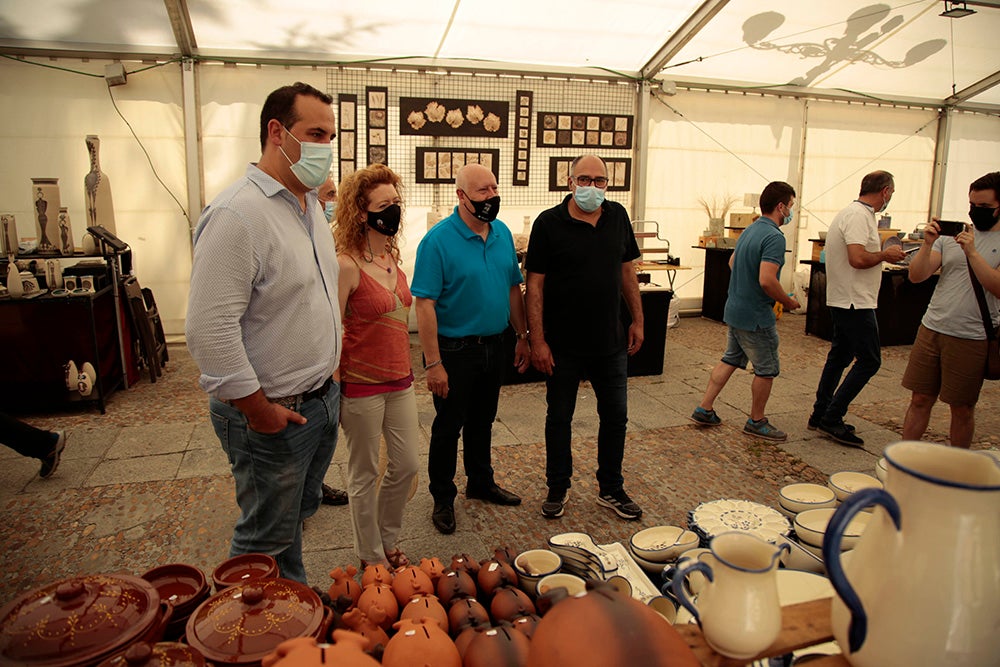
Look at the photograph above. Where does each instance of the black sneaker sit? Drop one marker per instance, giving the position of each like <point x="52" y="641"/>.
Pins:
<point x="621" y="504"/>
<point x="555" y="503"/>
<point x="51" y="462"/>
<point x="332" y="496"/>
<point x="814" y="423"/>
<point x="705" y="417"/>
<point x="842" y="434"/>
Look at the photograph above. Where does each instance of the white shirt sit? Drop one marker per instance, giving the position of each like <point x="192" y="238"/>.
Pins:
<point x="263" y="309"/>
<point x="847" y="286"/>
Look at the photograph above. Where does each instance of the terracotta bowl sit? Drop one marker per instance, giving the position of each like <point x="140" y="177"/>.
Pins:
<point x="661" y="544"/>
<point x="801" y="497"/>
<point x="244" y="568"/>
<point x="846" y="483"/>
<point x="183" y="586"/>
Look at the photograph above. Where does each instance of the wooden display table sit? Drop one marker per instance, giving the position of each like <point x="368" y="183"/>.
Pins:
<point x="802" y="625"/>
<point x="671" y="269"/>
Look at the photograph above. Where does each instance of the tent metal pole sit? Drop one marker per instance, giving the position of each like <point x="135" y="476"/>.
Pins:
<point x="940" y="173"/>
<point x="640" y="151"/>
<point x="788" y="282"/>
<point x="192" y="145"/>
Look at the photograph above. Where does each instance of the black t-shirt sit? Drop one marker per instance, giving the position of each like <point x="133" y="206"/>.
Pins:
<point x="582" y="264"/>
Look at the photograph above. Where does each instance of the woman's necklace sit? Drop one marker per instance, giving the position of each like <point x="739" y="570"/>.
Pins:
<point x="371" y="258"/>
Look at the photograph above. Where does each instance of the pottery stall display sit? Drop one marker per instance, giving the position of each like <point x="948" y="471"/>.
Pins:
<point x="81" y="621"/>
<point x="922" y="586"/>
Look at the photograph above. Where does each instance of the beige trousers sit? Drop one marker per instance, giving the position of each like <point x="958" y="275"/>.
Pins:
<point x="377" y="510"/>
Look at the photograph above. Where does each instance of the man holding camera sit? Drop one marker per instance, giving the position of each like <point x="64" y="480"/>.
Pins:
<point x="854" y="257"/>
<point x="949" y="354"/>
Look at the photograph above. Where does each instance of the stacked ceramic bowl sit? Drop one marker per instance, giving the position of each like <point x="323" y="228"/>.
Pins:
<point x="845" y="484"/>
<point x="582" y="557"/>
<point x="531" y="566"/>
<point x="655" y="548"/>
<point x="795" y="498"/>
<point x="810" y="527"/>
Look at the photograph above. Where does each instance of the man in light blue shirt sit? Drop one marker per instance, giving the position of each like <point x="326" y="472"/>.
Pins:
<point x="753" y="289"/>
<point x="263" y="325"/>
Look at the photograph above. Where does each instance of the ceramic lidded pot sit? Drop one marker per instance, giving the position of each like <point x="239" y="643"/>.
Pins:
<point x="242" y="624"/>
<point x="163" y="654"/>
<point x="243" y="568"/>
<point x="83" y="620"/>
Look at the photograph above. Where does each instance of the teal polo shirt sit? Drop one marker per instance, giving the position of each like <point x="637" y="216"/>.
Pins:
<point x="469" y="279"/>
<point x="748" y="307"/>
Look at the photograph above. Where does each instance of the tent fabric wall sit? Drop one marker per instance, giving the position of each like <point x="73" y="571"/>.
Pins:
<point x="974" y="150"/>
<point x="48" y="113"/>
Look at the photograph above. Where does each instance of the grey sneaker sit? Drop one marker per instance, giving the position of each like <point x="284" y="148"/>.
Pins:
<point x="555" y="503"/>
<point x="705" y="417"/>
<point x="763" y="429"/>
<point x="51" y="462"/>
<point x="621" y="504"/>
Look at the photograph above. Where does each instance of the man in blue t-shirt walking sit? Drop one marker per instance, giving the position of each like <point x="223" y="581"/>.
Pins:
<point x="753" y="288"/>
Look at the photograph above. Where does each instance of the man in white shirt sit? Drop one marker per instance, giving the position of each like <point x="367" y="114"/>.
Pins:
<point x="854" y="257"/>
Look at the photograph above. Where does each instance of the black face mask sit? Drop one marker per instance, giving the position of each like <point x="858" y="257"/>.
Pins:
<point x="487" y="209"/>
<point x="983" y="218"/>
<point x="385" y="221"/>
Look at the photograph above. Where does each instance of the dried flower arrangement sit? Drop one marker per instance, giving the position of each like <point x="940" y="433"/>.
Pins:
<point x="718" y="207"/>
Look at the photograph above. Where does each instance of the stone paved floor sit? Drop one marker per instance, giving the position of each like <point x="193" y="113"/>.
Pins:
<point x="147" y="483"/>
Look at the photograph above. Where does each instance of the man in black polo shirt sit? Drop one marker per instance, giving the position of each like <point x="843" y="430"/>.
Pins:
<point x="579" y="268"/>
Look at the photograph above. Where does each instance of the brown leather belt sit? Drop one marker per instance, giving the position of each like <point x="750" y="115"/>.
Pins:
<point x="293" y="402"/>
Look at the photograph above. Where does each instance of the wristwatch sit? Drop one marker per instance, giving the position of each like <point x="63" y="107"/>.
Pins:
<point x="523" y="336"/>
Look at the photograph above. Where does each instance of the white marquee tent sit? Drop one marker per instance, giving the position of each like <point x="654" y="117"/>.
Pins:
<point x="718" y="97"/>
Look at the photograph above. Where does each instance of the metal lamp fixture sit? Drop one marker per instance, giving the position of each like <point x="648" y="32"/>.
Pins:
<point x="956" y="10"/>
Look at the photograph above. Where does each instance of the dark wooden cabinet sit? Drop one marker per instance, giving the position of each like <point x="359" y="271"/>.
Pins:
<point x="901" y="305"/>
<point x="715" y="285"/>
<point x="39" y="336"/>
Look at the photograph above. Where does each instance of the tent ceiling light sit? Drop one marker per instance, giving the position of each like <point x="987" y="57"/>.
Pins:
<point x="956" y="10"/>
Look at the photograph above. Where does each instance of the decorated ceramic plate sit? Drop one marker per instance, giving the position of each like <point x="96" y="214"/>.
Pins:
<point x="720" y="516"/>
<point x="642" y="588"/>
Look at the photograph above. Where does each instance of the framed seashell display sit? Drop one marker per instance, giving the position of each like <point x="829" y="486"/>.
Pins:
<point x="378" y="148"/>
<point x="573" y="130"/>
<point x="439" y="165"/>
<point x="522" y="154"/>
<point x="440" y="117"/>
<point x="347" y="136"/>
<point x="619" y="173"/>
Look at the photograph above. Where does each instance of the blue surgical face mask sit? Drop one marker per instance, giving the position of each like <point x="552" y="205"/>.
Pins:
<point x="588" y="197"/>
<point x="313" y="167"/>
<point x="787" y="219"/>
<point x="329" y="209"/>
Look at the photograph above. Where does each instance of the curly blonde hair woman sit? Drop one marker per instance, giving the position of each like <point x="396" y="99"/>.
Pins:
<point x="375" y="374"/>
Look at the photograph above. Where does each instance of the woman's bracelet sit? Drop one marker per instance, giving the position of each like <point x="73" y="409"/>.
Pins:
<point x="433" y="364"/>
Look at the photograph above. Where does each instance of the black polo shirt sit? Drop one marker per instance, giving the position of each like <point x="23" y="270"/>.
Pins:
<point x="582" y="264"/>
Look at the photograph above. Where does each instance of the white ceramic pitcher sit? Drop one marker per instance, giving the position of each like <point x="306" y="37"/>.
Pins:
<point x="738" y="609"/>
<point x="922" y="586"/>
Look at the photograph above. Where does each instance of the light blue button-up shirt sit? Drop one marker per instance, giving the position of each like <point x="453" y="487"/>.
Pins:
<point x="263" y="310"/>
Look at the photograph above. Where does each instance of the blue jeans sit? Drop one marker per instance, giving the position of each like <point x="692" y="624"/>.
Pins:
<point x="759" y="347"/>
<point x="474" y="374"/>
<point x="279" y="477"/>
<point x="608" y="376"/>
<point x="855" y="336"/>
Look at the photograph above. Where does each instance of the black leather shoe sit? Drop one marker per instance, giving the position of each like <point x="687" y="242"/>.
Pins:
<point x="495" y="495"/>
<point x="444" y="518"/>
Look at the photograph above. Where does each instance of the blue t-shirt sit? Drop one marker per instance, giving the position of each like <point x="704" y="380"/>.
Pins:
<point x="468" y="278"/>
<point x="748" y="307"/>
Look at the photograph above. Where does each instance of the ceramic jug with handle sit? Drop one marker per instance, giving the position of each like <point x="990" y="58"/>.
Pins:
<point x="738" y="609"/>
<point x="922" y="586"/>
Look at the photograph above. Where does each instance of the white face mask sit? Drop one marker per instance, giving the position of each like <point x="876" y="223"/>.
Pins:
<point x="313" y="167"/>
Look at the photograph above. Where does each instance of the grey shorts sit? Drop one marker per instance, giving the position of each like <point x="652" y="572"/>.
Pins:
<point x="759" y="347"/>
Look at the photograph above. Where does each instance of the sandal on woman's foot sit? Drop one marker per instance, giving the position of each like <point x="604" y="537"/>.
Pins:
<point x="397" y="558"/>
<point x="332" y="496"/>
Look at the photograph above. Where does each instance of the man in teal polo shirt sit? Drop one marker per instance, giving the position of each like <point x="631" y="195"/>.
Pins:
<point x="753" y="335"/>
<point x="466" y="287"/>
